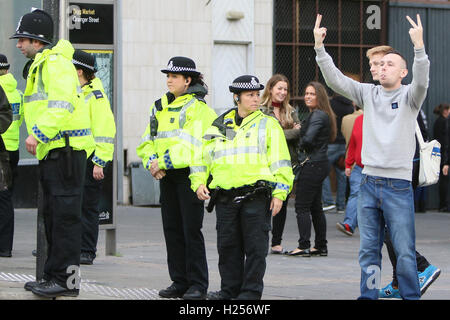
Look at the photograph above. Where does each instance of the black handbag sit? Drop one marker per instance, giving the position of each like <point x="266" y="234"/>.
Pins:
<point x="5" y="168"/>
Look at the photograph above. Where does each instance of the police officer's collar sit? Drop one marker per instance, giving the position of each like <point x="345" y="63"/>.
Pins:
<point x="237" y="118"/>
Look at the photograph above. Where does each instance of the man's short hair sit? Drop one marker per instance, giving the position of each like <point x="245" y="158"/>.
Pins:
<point x="378" y="50"/>
<point x="393" y="51"/>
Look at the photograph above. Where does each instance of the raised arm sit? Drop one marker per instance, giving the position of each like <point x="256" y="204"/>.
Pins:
<point x="334" y="78"/>
<point x="421" y="66"/>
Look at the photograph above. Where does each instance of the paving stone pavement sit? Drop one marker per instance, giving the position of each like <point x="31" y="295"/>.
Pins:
<point x="138" y="270"/>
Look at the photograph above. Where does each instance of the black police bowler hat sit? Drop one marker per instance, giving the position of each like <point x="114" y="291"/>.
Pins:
<point x="84" y="60"/>
<point x="3" y="62"/>
<point x="181" y="65"/>
<point x="37" y="24"/>
<point x="245" y="83"/>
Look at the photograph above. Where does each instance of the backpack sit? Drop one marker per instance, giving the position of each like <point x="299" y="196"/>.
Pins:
<point x="430" y="160"/>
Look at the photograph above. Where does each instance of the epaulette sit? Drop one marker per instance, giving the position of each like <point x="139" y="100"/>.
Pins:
<point x="98" y="94"/>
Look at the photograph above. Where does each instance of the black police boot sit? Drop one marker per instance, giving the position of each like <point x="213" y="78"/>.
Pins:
<point x="194" y="294"/>
<point x="31" y="284"/>
<point x="171" y="292"/>
<point x="217" y="295"/>
<point x="50" y="289"/>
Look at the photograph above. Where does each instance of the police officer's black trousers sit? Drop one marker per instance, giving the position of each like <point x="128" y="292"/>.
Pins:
<point x="182" y="218"/>
<point x="90" y="211"/>
<point x="62" y="195"/>
<point x="242" y="243"/>
<point x="7" y="210"/>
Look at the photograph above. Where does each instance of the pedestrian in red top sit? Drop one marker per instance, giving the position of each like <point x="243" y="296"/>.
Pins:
<point x="353" y="159"/>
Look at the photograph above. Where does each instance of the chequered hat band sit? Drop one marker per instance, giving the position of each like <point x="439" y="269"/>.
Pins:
<point x="181" y="69"/>
<point x="4" y="64"/>
<point x="83" y="64"/>
<point x="245" y="85"/>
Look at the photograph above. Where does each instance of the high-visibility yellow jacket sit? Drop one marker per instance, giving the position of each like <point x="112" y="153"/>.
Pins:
<point x="181" y="125"/>
<point x="53" y="105"/>
<point x="11" y="136"/>
<point x="103" y="126"/>
<point x="239" y="155"/>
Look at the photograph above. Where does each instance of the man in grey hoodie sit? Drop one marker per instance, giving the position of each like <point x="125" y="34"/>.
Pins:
<point x="386" y="195"/>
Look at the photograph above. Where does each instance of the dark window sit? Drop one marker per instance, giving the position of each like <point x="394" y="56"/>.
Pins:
<point x="353" y="27"/>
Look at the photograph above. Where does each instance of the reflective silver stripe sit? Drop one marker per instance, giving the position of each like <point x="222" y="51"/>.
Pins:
<point x="40" y="94"/>
<point x="104" y="140"/>
<point x="192" y="140"/>
<point x="41" y="87"/>
<point x="262" y="145"/>
<point x="182" y="117"/>
<point x="61" y="105"/>
<point x="146" y="138"/>
<point x="196" y="169"/>
<point x="168" y="134"/>
<point x="35" y="97"/>
<point x="79" y="90"/>
<point x="234" y="151"/>
<point x="16" y="117"/>
<point x="86" y="99"/>
<point x="280" y="164"/>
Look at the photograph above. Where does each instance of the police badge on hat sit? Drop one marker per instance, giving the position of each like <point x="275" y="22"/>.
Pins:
<point x="245" y="83"/>
<point x="182" y="65"/>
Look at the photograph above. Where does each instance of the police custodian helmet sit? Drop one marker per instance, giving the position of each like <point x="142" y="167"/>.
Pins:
<point x="3" y="62"/>
<point x="245" y="83"/>
<point x="182" y="65"/>
<point x="84" y="60"/>
<point x="37" y="24"/>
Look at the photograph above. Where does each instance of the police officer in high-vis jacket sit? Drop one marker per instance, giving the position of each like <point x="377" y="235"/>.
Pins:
<point x="60" y="137"/>
<point x="11" y="143"/>
<point x="104" y="130"/>
<point x="177" y="123"/>
<point x="246" y="154"/>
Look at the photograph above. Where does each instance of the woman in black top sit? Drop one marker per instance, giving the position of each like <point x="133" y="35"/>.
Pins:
<point x="318" y="129"/>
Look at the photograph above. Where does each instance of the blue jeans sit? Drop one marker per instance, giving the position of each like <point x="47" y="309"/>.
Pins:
<point x="352" y="203"/>
<point x="390" y="202"/>
<point x="334" y="151"/>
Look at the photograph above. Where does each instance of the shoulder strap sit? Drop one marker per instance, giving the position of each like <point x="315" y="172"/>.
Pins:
<point x="419" y="135"/>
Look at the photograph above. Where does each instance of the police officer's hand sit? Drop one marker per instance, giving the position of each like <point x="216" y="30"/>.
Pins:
<point x="156" y="172"/>
<point x="445" y="170"/>
<point x="160" y="174"/>
<point x="203" y="192"/>
<point x="97" y="173"/>
<point x="275" y="206"/>
<point x="154" y="167"/>
<point x="31" y="144"/>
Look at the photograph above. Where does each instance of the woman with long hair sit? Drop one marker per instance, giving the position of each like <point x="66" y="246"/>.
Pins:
<point x="318" y="129"/>
<point x="275" y="103"/>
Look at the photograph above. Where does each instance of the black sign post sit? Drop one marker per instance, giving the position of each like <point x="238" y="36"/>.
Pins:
<point x="89" y="26"/>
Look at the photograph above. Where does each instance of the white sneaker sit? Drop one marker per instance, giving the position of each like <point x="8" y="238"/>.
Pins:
<point x="329" y="207"/>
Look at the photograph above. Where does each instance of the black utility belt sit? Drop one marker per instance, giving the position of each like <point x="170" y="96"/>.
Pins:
<point x="57" y="152"/>
<point x="239" y="194"/>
